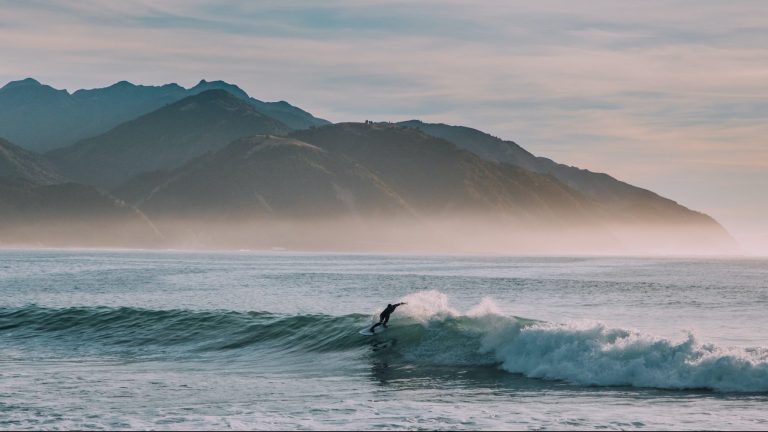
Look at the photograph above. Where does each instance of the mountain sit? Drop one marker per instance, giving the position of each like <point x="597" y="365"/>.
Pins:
<point x="480" y="143"/>
<point x="164" y="139"/>
<point x="353" y="169"/>
<point x="629" y="202"/>
<point x="435" y="177"/>
<point x="293" y="117"/>
<point x="41" y="118"/>
<point x="381" y="186"/>
<point x="358" y="186"/>
<point x="213" y="167"/>
<point x="15" y="162"/>
<point x="265" y="176"/>
<point x="68" y="214"/>
<point x="39" y="206"/>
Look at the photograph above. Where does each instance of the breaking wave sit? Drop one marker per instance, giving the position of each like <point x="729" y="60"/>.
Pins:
<point x="428" y="332"/>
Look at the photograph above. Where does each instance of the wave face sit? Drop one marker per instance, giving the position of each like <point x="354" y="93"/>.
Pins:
<point x="427" y="331"/>
<point x="181" y="329"/>
<point x="593" y="354"/>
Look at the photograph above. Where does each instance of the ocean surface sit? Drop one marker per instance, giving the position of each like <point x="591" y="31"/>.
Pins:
<point x="249" y="340"/>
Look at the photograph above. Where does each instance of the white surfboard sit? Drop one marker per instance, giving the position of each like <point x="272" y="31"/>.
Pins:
<point x="367" y="331"/>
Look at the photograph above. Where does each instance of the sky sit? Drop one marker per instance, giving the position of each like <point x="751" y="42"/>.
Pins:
<point x="667" y="95"/>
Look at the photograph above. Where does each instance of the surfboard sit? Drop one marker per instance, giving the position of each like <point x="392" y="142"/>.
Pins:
<point x="367" y="331"/>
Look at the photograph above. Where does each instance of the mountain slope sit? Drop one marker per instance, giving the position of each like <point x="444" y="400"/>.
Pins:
<point x="15" y="162"/>
<point x="41" y="118"/>
<point x="99" y="110"/>
<point x="435" y="177"/>
<point x="624" y="200"/>
<point x="359" y="186"/>
<point x="642" y="220"/>
<point x="264" y="176"/>
<point x="354" y="168"/>
<point x="39" y="206"/>
<point x="164" y="139"/>
<point x="33" y="114"/>
<point x="68" y="214"/>
<point x="294" y="117"/>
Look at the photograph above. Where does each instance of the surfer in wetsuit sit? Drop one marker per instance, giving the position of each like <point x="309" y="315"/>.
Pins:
<point x="384" y="316"/>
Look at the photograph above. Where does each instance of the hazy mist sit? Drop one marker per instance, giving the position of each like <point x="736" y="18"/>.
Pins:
<point x="442" y="235"/>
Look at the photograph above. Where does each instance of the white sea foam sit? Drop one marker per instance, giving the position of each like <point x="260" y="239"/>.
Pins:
<point x="583" y="353"/>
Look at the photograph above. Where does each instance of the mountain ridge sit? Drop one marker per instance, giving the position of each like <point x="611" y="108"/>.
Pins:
<point x="16" y="162"/>
<point x="218" y="153"/>
<point x="464" y="182"/>
<point x="615" y="194"/>
<point x="39" y="117"/>
<point x="328" y="186"/>
<point x="164" y="138"/>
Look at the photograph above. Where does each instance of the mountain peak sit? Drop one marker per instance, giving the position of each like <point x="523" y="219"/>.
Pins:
<point x="26" y="82"/>
<point x="172" y="86"/>
<point x="204" y="82"/>
<point x="204" y="85"/>
<point x="210" y="95"/>
<point x="122" y="84"/>
<point x="165" y="138"/>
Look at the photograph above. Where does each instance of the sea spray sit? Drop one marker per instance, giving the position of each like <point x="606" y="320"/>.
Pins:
<point x="424" y="306"/>
<point x="581" y="353"/>
<point x="596" y="355"/>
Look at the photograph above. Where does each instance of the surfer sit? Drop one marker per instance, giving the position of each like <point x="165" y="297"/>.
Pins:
<point x="384" y="316"/>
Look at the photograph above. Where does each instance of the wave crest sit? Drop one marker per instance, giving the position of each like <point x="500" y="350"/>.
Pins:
<point x="596" y="355"/>
<point x="589" y="354"/>
<point x="427" y="331"/>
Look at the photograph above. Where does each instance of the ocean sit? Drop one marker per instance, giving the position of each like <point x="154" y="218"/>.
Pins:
<point x="269" y="340"/>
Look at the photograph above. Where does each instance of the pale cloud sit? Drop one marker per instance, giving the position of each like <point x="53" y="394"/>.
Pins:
<point x="669" y="95"/>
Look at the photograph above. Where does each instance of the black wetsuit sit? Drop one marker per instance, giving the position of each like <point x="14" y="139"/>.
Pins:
<point x="384" y="316"/>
